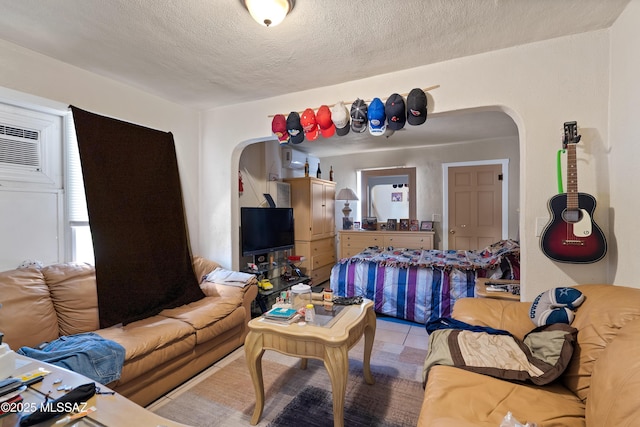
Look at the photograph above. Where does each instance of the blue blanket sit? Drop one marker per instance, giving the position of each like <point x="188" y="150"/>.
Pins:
<point x="88" y="354"/>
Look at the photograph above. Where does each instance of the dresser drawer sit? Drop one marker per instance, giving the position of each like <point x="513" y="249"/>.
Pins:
<point x="354" y="242"/>
<point x="348" y="252"/>
<point x="320" y="275"/>
<point x="360" y="240"/>
<point x="408" y="242"/>
<point x="323" y="246"/>
<point x="351" y="244"/>
<point x="321" y="260"/>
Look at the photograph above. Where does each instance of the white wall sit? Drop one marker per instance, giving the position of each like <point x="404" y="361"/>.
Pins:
<point x="33" y="74"/>
<point x="540" y="86"/>
<point x="624" y="147"/>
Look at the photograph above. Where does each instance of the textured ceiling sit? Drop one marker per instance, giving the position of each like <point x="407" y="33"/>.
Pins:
<point x="206" y="53"/>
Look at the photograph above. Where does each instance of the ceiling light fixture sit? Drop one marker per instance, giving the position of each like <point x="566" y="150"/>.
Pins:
<point x="268" y="12"/>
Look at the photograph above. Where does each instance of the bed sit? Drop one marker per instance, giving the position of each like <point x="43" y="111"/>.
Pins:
<point x="421" y="285"/>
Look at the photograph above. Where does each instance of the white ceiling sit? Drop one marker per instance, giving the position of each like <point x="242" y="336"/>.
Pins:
<point x="207" y="53"/>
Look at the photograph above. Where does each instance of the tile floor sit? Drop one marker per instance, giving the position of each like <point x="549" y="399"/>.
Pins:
<point x="388" y="330"/>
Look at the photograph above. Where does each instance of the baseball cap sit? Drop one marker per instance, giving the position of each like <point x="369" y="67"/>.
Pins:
<point x="394" y="109"/>
<point x="416" y="107"/>
<point x="279" y="128"/>
<point x="309" y="124"/>
<point x="340" y="117"/>
<point x="376" y="116"/>
<point x="296" y="133"/>
<point x="359" y="116"/>
<point x="327" y="128"/>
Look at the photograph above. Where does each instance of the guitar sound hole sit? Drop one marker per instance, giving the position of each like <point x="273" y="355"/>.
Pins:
<point x="572" y="215"/>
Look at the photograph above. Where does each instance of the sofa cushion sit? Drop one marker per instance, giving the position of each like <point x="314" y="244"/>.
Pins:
<point x="606" y="309"/>
<point x="616" y="380"/>
<point x="150" y="342"/>
<point x="496" y="313"/>
<point x="74" y="296"/>
<point x="455" y="397"/>
<point x="205" y="315"/>
<point x="27" y="316"/>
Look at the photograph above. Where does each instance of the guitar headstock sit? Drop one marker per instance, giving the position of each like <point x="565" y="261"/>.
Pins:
<point x="570" y="134"/>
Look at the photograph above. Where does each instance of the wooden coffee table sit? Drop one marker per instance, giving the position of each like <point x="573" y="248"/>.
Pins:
<point x="329" y="343"/>
<point x="112" y="409"/>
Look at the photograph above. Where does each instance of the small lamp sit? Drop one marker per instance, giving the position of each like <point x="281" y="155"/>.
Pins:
<point x="268" y="12"/>
<point x="346" y="194"/>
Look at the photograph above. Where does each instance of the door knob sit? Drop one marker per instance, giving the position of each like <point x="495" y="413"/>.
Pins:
<point x="452" y="231"/>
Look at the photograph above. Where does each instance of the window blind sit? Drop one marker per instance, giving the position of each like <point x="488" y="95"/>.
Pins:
<point x="77" y="203"/>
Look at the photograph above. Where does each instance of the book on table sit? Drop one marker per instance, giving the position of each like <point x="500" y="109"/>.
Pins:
<point x="280" y="313"/>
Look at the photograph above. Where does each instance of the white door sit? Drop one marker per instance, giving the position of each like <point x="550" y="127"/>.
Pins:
<point x="475" y="206"/>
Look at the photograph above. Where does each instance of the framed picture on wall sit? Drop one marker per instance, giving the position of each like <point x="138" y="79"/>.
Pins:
<point x="396" y="197"/>
<point x="414" y="225"/>
<point x="426" y="226"/>
<point x="392" y="224"/>
<point x="404" y="224"/>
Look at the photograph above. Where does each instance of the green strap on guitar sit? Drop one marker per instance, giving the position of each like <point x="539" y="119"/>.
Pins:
<point x="559" y="165"/>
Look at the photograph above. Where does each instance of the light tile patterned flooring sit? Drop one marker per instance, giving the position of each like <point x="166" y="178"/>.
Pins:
<point x="389" y="330"/>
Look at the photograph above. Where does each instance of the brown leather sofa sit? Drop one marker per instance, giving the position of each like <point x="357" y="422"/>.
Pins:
<point x="162" y="351"/>
<point x="599" y="388"/>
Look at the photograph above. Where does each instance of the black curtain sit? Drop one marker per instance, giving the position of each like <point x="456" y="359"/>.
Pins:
<point x="136" y="213"/>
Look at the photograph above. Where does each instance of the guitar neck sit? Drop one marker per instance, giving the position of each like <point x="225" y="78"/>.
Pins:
<point x="572" y="178"/>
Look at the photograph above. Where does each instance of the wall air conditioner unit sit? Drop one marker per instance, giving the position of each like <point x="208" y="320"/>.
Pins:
<point x="20" y="148"/>
<point x="293" y="159"/>
<point x="30" y="147"/>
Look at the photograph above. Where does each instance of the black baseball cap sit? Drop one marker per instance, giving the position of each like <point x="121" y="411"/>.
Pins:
<point x="296" y="133"/>
<point x="395" y="111"/>
<point x="416" y="107"/>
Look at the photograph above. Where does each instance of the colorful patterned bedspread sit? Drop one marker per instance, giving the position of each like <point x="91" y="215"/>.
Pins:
<point x="421" y="285"/>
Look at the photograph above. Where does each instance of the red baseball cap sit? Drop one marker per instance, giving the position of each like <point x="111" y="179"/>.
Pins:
<point x="279" y="128"/>
<point x="327" y="128"/>
<point x="309" y="124"/>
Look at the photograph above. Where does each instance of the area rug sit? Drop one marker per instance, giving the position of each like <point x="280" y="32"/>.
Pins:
<point x="303" y="397"/>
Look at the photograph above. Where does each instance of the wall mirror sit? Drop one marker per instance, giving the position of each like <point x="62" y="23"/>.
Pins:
<point x="388" y="193"/>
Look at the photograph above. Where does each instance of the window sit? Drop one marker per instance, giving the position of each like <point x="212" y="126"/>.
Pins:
<point x="80" y="245"/>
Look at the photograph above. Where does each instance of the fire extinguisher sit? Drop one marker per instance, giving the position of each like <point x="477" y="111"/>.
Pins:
<point x="240" y="185"/>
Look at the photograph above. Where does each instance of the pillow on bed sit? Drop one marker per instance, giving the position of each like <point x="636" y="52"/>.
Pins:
<point x="555" y="306"/>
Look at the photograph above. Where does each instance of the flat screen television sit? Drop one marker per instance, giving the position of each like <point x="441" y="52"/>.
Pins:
<point x="265" y="230"/>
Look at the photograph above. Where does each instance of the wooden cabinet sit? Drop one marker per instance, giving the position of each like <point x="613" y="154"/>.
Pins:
<point x="313" y="202"/>
<point x="352" y="242"/>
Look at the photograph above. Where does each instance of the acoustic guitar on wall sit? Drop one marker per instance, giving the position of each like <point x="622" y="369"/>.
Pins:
<point x="572" y="236"/>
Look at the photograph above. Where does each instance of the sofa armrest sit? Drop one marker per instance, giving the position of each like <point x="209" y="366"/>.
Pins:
<point x="203" y="266"/>
<point x="512" y="316"/>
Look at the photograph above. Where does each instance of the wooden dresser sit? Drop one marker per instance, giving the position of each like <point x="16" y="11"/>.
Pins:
<point x="352" y="242"/>
<point x="313" y="202"/>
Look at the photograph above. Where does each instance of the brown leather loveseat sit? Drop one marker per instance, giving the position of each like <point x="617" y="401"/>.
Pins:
<point x="162" y="351"/>
<point x="598" y="389"/>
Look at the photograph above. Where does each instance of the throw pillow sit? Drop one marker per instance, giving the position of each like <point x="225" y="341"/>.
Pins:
<point x="555" y="306"/>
